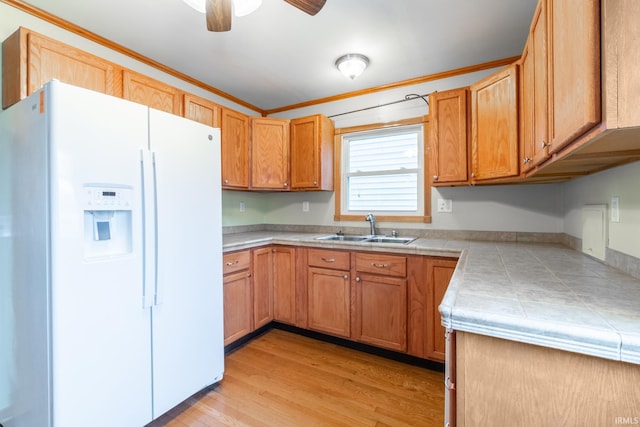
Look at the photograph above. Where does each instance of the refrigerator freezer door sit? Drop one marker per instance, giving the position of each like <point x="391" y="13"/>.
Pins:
<point x="100" y="334"/>
<point x="188" y="349"/>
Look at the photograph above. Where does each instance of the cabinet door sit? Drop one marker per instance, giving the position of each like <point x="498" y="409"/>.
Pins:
<point x="494" y="126"/>
<point x="49" y="59"/>
<point x="202" y="110"/>
<point x="269" y="154"/>
<point x="312" y="153"/>
<point x="381" y="311"/>
<point x="574" y="78"/>
<point x="449" y="142"/>
<point x="439" y="272"/>
<point x="534" y="87"/>
<point x="237" y="306"/>
<point x="234" y="130"/>
<point x="262" y="287"/>
<point x="284" y="284"/>
<point x="329" y="301"/>
<point x="152" y="93"/>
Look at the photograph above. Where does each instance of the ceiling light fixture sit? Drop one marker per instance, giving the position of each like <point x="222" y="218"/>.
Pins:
<point x="352" y="64"/>
<point x="240" y="7"/>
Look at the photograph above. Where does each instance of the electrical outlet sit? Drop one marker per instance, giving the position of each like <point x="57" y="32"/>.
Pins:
<point x="615" y="209"/>
<point x="242" y="207"/>
<point x="445" y="205"/>
<point x="305" y="206"/>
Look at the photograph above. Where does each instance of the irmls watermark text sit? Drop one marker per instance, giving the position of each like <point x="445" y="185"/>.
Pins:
<point x="629" y="421"/>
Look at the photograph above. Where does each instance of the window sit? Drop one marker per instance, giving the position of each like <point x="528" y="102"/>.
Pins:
<point x="382" y="171"/>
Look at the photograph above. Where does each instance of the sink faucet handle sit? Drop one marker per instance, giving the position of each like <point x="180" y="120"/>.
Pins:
<point x="394" y="233"/>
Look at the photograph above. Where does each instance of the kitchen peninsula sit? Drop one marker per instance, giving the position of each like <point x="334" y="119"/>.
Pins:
<point x="522" y="312"/>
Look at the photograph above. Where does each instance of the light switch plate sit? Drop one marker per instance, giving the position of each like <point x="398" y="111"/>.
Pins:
<point x="615" y="209"/>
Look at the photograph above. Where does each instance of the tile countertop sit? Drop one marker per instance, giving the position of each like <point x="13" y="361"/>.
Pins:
<point x="543" y="294"/>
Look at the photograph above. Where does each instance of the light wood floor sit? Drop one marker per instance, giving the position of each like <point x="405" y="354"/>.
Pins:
<point x="283" y="379"/>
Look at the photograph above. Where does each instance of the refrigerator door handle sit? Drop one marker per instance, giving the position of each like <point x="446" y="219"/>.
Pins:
<point x="149" y="229"/>
<point x="157" y="285"/>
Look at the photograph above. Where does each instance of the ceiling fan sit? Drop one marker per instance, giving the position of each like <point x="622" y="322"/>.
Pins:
<point x="219" y="12"/>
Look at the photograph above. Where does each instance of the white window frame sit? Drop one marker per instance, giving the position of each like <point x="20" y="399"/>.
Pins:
<point x="423" y="213"/>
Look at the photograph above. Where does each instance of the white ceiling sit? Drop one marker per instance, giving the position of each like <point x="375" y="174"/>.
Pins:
<point x="279" y="56"/>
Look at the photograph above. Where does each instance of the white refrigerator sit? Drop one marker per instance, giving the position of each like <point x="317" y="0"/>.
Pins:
<point x="110" y="260"/>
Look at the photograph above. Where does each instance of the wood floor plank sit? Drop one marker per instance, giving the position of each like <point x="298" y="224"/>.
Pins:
<point x="283" y="379"/>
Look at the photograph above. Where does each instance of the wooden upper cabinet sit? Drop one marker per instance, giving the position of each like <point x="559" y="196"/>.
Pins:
<point x="29" y="60"/>
<point x="494" y="125"/>
<point x="534" y="137"/>
<point x="449" y="142"/>
<point x="574" y="69"/>
<point x="202" y="110"/>
<point x="269" y="153"/>
<point x="234" y="129"/>
<point x="150" y="92"/>
<point x="312" y="153"/>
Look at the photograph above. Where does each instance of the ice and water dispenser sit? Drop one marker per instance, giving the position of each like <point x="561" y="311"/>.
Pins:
<point x="107" y="221"/>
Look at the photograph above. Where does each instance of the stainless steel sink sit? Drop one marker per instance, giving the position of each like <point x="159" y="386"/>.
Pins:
<point x="390" y="239"/>
<point x="367" y="239"/>
<point x="343" y="238"/>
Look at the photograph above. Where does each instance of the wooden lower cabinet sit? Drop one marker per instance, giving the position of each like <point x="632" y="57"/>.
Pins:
<point x="439" y="272"/>
<point x="329" y="292"/>
<point x="284" y="284"/>
<point x="380" y="300"/>
<point x="237" y="296"/>
<point x="500" y="382"/>
<point x="262" y="286"/>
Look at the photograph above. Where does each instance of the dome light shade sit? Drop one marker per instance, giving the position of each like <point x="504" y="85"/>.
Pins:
<point x="352" y="64"/>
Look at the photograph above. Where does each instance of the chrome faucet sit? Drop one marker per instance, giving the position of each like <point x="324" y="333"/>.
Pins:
<point x="371" y="218"/>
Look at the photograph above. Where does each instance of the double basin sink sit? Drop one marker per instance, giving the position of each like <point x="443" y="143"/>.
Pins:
<point x="367" y="239"/>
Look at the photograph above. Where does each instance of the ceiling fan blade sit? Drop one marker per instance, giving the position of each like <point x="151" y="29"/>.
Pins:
<point x="308" y="6"/>
<point x="218" y="15"/>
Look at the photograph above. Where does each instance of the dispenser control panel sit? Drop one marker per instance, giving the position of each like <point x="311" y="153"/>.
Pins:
<point x="107" y="198"/>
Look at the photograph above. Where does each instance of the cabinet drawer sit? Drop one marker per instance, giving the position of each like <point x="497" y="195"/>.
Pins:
<point x="336" y="260"/>
<point x="388" y="265"/>
<point x="236" y="261"/>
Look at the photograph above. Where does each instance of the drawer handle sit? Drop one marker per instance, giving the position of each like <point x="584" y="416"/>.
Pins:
<point x="373" y="264"/>
<point x="329" y="259"/>
<point x="230" y="263"/>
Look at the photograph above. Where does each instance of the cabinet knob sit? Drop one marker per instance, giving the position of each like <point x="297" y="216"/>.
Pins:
<point x="435" y="177"/>
<point x="526" y="160"/>
<point x="473" y="174"/>
<point x="543" y="144"/>
<point x="345" y="277"/>
<point x="315" y="182"/>
<point x="285" y="184"/>
<point x="357" y="278"/>
<point x="226" y="181"/>
<point x="248" y="274"/>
